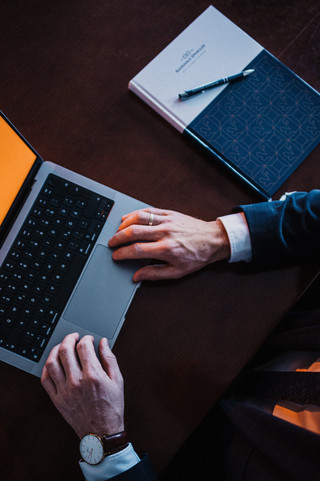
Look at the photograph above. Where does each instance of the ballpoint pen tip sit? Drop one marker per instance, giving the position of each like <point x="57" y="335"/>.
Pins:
<point x="248" y="72"/>
<point x="183" y="96"/>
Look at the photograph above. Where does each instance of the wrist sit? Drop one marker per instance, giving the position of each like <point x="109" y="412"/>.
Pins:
<point x="110" y="427"/>
<point x="220" y="244"/>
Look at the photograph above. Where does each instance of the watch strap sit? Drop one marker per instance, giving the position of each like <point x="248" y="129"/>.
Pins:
<point x="115" y="443"/>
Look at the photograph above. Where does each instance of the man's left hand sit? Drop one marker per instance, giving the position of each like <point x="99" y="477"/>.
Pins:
<point x="88" y="393"/>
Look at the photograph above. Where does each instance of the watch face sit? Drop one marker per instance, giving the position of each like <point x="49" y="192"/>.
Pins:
<point x="91" y="449"/>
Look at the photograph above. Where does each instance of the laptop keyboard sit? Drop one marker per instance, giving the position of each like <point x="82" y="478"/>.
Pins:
<point x="45" y="262"/>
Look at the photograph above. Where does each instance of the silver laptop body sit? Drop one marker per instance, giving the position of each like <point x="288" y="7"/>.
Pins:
<point x="104" y="290"/>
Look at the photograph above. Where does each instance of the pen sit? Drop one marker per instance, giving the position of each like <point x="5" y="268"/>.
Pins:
<point x="203" y="88"/>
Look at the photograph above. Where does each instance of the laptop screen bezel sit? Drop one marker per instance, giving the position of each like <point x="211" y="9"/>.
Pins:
<point x="24" y="189"/>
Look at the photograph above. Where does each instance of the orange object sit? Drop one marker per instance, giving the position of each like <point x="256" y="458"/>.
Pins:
<point x="16" y="160"/>
<point x="305" y="416"/>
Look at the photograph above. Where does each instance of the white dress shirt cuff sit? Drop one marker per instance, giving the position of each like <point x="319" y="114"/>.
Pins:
<point x="111" y="465"/>
<point x="239" y="236"/>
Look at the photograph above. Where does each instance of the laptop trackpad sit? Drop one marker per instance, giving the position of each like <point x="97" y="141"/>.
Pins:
<point x="102" y="295"/>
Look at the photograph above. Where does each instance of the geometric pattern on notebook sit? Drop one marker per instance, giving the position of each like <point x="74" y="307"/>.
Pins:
<point x="265" y="125"/>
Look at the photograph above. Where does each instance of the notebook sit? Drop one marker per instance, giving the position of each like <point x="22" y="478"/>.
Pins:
<point x="259" y="128"/>
<point x="57" y="275"/>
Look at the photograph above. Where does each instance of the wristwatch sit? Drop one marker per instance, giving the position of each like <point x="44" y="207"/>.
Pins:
<point x="95" y="447"/>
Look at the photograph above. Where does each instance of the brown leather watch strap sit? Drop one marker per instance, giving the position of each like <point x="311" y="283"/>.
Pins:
<point x="115" y="443"/>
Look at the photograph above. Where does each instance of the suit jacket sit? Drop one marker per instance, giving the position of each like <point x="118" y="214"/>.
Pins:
<point x="284" y="230"/>
<point x="259" y="446"/>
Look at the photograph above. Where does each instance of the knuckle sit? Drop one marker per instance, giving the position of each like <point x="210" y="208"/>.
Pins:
<point x="166" y="245"/>
<point x="142" y="216"/>
<point x="80" y="345"/>
<point x="83" y="343"/>
<point x="136" y="248"/>
<point x="165" y="230"/>
<point x="75" y="384"/>
<point x="92" y="380"/>
<point x="63" y="350"/>
<point x="130" y="231"/>
<point x="50" y="366"/>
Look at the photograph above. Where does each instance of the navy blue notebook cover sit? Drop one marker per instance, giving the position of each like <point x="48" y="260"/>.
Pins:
<point x="263" y="126"/>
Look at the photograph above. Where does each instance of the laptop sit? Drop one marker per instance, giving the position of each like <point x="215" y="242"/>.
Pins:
<point x="57" y="274"/>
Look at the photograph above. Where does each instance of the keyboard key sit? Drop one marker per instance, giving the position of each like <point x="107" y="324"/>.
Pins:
<point x="40" y="342"/>
<point x="34" y="354"/>
<point x="47" y="191"/>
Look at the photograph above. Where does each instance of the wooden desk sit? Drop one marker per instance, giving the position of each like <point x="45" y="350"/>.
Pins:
<point x="65" y="66"/>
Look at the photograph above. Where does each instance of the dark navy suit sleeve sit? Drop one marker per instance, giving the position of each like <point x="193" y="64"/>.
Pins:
<point x="143" y="471"/>
<point x="284" y="230"/>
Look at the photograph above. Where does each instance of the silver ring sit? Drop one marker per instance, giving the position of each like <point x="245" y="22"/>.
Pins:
<point x="151" y="217"/>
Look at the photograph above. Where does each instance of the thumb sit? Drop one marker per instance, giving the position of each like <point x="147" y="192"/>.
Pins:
<point x="108" y="359"/>
<point x="157" y="272"/>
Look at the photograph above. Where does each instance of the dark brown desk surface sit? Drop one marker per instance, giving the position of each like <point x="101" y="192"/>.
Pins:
<point x="65" y="66"/>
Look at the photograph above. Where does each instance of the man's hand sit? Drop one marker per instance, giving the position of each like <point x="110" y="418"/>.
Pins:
<point x="182" y="243"/>
<point x="88" y="393"/>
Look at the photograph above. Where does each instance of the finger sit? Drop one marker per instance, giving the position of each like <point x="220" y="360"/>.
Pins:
<point x="135" y="233"/>
<point x="151" y="250"/>
<point x="47" y="383"/>
<point x="87" y="355"/>
<point x="142" y="218"/>
<point x="150" y="210"/>
<point x="68" y="356"/>
<point x="108" y="360"/>
<point x="157" y="273"/>
<point x="54" y="367"/>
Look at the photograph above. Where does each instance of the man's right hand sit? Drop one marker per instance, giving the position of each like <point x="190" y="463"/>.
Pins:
<point x="182" y="243"/>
